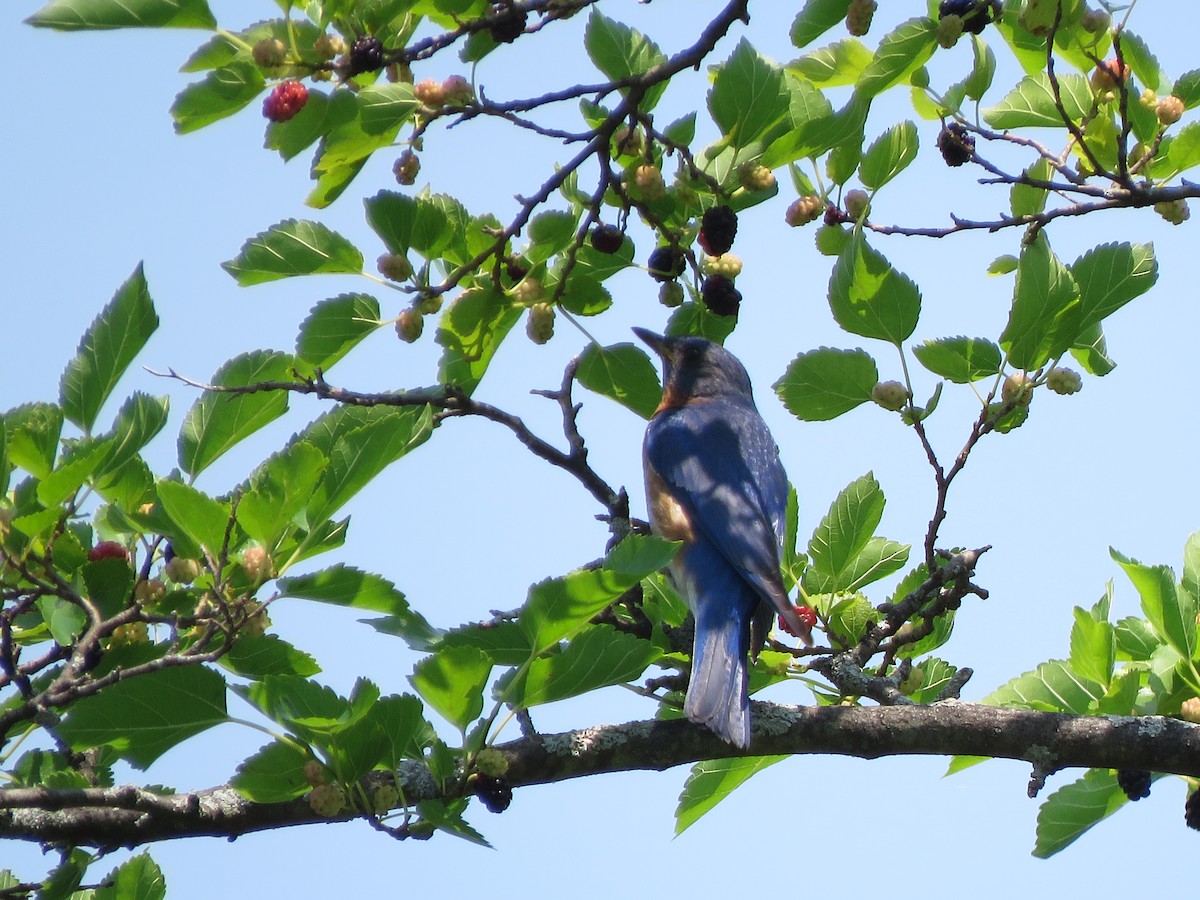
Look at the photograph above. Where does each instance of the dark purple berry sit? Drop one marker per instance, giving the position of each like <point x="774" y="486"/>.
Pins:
<point x="607" y="238"/>
<point x="493" y="793"/>
<point x="720" y="296"/>
<point x="975" y="14"/>
<point x="1134" y="782"/>
<point x="508" y="24"/>
<point x="956" y="143"/>
<point x="666" y="263"/>
<point x="516" y="267"/>
<point x="366" y="55"/>
<point x="1191" y="811"/>
<point x="718" y="228"/>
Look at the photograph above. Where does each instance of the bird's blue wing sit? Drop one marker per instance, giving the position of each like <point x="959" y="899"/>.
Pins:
<point x="719" y="462"/>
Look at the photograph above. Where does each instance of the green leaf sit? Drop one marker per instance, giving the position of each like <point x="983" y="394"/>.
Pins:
<point x="470" y="331"/>
<point x="334" y="327"/>
<point x="825" y="383"/>
<point x="293" y="247"/>
<point x="878" y="559"/>
<point x="1052" y="687"/>
<point x="599" y="657"/>
<point x="256" y="656"/>
<point x="748" y="96"/>
<point x="549" y="233"/>
<point x="311" y="710"/>
<point x="138" y="878"/>
<point x="74" y="467"/>
<point x="558" y="608"/>
<point x="202" y="519"/>
<point x="279" y="490"/>
<point x="384" y="107"/>
<point x="301" y="131"/>
<point x="139" y="419"/>
<point x="80" y="15"/>
<point x="835" y="65"/>
<point x="935" y="677"/>
<point x="503" y="641"/>
<point x="1002" y="265"/>
<point x="1111" y="275"/>
<point x="815" y="18"/>
<point x="983" y="71"/>
<point x="844" y="532"/>
<point x="869" y="297"/>
<point x="1031" y="103"/>
<point x="110" y="344"/>
<point x="712" y="781"/>
<point x="624" y="373"/>
<point x="1091" y="351"/>
<point x="1136" y="639"/>
<point x="889" y="155"/>
<point x="1044" y="320"/>
<point x="1184" y="151"/>
<point x="109" y="583"/>
<point x="901" y="52"/>
<point x="1074" y="808"/>
<point x="221" y="93"/>
<point x="961" y="360"/>
<point x="452" y="682"/>
<point x="34" y="430"/>
<point x="621" y="52"/>
<point x="1191" y="565"/>
<point x="1093" y="647"/>
<point x="275" y="774"/>
<point x="692" y="318"/>
<point x="404" y="223"/>
<point x="344" y="585"/>
<point x="1171" y="612"/>
<point x="1027" y="200"/>
<point x="359" y="445"/>
<point x="1187" y="88"/>
<point x="64" y="620"/>
<point x="401" y="716"/>
<point x="218" y="421"/>
<point x="143" y="717"/>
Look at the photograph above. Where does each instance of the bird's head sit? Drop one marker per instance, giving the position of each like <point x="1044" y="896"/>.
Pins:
<point x="695" y="368"/>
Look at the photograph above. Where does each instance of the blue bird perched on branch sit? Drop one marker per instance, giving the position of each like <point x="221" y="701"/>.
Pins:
<point x="714" y="482"/>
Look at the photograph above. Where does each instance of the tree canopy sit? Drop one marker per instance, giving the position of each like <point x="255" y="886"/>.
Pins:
<point x="917" y="276"/>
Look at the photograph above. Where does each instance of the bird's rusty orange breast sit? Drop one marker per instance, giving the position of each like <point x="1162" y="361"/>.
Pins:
<point x="668" y="518"/>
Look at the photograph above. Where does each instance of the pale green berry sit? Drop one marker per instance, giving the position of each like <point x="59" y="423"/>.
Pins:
<point x="326" y="800"/>
<point x="182" y="571"/>
<point x="1063" y="381"/>
<point x="891" y="395"/>
<point x="1017" y="389"/>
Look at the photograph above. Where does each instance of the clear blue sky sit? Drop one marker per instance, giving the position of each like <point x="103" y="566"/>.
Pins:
<point x="97" y="180"/>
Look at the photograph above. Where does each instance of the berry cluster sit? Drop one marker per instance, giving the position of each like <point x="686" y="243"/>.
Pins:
<point x="508" y="23"/>
<point x="956" y="144"/>
<point x="808" y="617"/>
<point x="648" y="182"/>
<point x="406" y="167"/>
<point x="366" y="55"/>
<point x="540" y="325"/>
<point x="607" y="238"/>
<point x="756" y="177"/>
<point x="285" y="100"/>
<point x="859" y="15"/>
<point x="1134" y="782"/>
<point x="975" y="14"/>
<point x="718" y="228"/>
<point x="494" y="793"/>
<point x="726" y="264"/>
<point x="804" y="210"/>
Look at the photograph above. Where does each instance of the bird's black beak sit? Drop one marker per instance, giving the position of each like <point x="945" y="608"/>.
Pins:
<point x="655" y="342"/>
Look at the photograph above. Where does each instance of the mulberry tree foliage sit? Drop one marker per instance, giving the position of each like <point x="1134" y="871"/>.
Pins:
<point x="135" y="602"/>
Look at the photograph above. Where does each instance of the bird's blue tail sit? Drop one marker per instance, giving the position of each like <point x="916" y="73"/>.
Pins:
<point x="717" y="693"/>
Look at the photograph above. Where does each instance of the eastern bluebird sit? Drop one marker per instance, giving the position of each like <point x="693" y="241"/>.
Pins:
<point x="714" y="482"/>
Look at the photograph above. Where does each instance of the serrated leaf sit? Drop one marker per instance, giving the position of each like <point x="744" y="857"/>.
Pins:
<point x="256" y="656"/>
<point x="218" y="421"/>
<point x="279" y="490"/>
<point x="1187" y="88"/>
<point x="878" y="558"/>
<point x="599" y="657"/>
<point x="293" y="247"/>
<point x="503" y="641"/>
<point x="815" y="18"/>
<point x="1109" y="276"/>
<point x="401" y="716"/>
<point x="889" y="155"/>
<point x="846" y="528"/>
<point x="825" y="383"/>
<point x="712" y="781"/>
<point x="110" y="344"/>
<point x="622" y="52"/>
<point x="301" y="131"/>
<point x="983" y="71"/>
<point x="624" y="373"/>
<point x="869" y="297"/>
<point x="334" y="327"/>
<point x="961" y="360"/>
<point x="275" y="774"/>
<point x="558" y="608"/>
<point x="80" y="15"/>
<point x="452" y="682"/>
<point x="221" y="93"/>
<point x="1025" y="199"/>
<point x="33" y="431"/>
<point x="901" y="52"/>
<point x="835" y="65"/>
<point x="1031" y="103"/>
<point x="143" y="717"/>
<point x="138" y="878"/>
<point x="1093" y="647"/>
<point x="748" y="96"/>
<point x="1090" y="350"/>
<point x="201" y="518"/>
<point x="1136" y="638"/>
<point x="470" y="331"/>
<point x="1171" y="612"/>
<point x="1046" y="311"/>
<point x="1074" y="808"/>
<point x="1052" y="687"/>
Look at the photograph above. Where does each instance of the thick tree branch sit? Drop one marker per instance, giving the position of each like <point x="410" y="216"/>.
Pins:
<point x="127" y="816"/>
